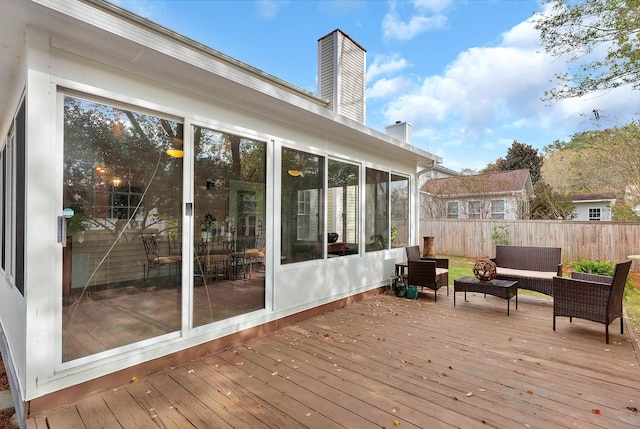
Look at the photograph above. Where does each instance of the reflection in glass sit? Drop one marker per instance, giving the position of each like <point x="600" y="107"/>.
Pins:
<point x="399" y="211"/>
<point x="229" y="234"/>
<point x="302" y="182"/>
<point x="343" y="211"/>
<point x="122" y="260"/>
<point x="377" y="210"/>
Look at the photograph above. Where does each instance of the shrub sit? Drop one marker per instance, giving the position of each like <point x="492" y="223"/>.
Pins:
<point x="501" y="234"/>
<point x="600" y="267"/>
<point x="594" y="267"/>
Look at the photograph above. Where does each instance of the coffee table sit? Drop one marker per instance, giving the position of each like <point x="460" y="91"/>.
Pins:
<point x="505" y="289"/>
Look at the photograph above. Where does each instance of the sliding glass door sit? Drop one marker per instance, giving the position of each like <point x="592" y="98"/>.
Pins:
<point x="229" y="225"/>
<point x="122" y="200"/>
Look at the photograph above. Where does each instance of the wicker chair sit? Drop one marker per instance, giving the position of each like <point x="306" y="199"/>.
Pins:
<point x="424" y="273"/>
<point x="413" y="253"/>
<point x="590" y="296"/>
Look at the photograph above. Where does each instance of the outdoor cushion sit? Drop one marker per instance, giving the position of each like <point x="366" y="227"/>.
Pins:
<point x="511" y="272"/>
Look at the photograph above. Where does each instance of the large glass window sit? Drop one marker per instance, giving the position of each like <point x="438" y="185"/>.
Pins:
<point x="302" y="206"/>
<point x="377" y="210"/>
<point x="343" y="210"/>
<point x="229" y="233"/>
<point x="399" y="211"/>
<point x="122" y="258"/>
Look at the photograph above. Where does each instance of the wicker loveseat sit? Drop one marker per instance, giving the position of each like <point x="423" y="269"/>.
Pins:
<point x="533" y="267"/>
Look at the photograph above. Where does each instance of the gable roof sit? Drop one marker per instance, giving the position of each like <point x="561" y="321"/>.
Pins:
<point x="602" y="196"/>
<point x="501" y="182"/>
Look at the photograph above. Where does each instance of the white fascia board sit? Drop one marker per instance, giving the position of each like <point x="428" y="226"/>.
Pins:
<point x="602" y="201"/>
<point x="483" y="195"/>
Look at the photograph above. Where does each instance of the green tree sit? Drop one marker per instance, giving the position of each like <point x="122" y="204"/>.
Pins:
<point x="519" y="156"/>
<point x="623" y="212"/>
<point x="577" y="30"/>
<point x="551" y="204"/>
<point x="597" y="161"/>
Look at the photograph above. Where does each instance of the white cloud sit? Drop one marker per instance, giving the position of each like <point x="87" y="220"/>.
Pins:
<point x="268" y="9"/>
<point x="490" y="96"/>
<point x="486" y="86"/>
<point x="384" y="65"/>
<point x="385" y="88"/>
<point x="432" y="5"/>
<point x="395" y="28"/>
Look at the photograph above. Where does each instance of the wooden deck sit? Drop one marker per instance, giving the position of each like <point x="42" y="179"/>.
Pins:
<point x="387" y="362"/>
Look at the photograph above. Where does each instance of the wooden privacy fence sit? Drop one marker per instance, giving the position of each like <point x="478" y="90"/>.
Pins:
<point x="605" y="241"/>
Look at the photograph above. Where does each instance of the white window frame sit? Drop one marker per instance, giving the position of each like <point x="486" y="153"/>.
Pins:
<point x="495" y="214"/>
<point x="591" y="210"/>
<point x="474" y="214"/>
<point x="451" y="213"/>
<point x="304" y="215"/>
<point x="9" y="226"/>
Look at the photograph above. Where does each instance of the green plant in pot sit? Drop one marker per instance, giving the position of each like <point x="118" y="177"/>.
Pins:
<point x="401" y="288"/>
<point x="208" y="226"/>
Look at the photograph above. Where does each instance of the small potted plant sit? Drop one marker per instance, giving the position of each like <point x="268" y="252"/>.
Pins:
<point x="208" y="227"/>
<point x="401" y="288"/>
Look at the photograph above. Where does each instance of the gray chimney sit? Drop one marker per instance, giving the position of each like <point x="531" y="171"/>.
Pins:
<point x="399" y="130"/>
<point x="341" y="74"/>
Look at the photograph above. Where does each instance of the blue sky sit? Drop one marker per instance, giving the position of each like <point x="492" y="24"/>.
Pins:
<point x="468" y="75"/>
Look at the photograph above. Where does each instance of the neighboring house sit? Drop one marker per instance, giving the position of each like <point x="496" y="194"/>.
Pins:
<point x="500" y="195"/>
<point x="593" y="206"/>
<point x="161" y="200"/>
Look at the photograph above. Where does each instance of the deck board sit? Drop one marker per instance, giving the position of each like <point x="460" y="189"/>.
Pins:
<point x="388" y="360"/>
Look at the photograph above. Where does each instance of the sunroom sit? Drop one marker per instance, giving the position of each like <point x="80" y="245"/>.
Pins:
<point x="161" y="200"/>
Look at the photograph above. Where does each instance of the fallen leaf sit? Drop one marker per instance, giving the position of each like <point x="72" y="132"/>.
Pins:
<point x="595" y="411"/>
<point x="133" y="379"/>
<point x="469" y="394"/>
<point x="396" y="422"/>
<point x="530" y="392"/>
<point x="191" y="371"/>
